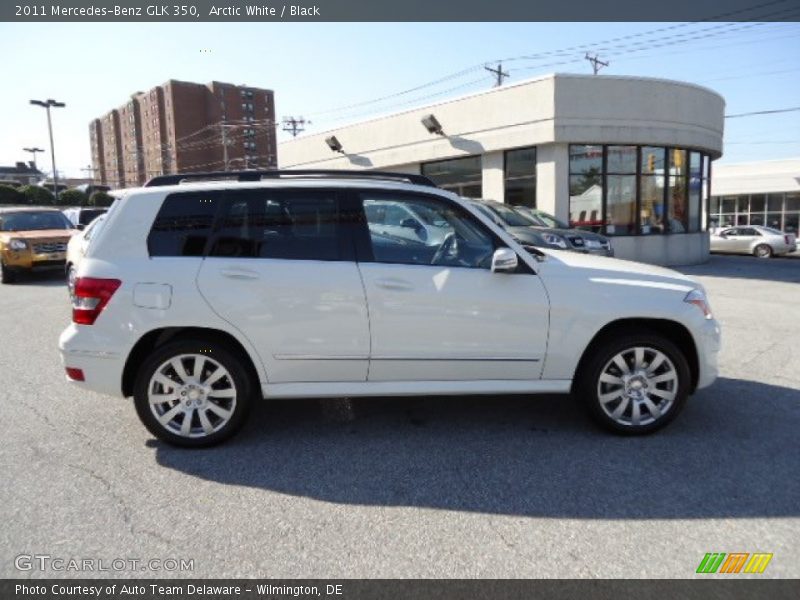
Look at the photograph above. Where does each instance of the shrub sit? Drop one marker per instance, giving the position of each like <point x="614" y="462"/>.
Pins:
<point x="73" y="198"/>
<point x="100" y="199"/>
<point x="37" y="196"/>
<point x="10" y="195"/>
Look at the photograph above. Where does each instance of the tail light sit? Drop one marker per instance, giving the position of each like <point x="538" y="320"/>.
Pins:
<point x="91" y="297"/>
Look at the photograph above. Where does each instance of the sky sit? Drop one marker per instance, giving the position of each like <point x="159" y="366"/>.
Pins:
<point x="316" y="69"/>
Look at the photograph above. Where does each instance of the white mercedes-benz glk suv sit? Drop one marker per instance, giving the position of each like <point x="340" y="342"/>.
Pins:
<point x="204" y="292"/>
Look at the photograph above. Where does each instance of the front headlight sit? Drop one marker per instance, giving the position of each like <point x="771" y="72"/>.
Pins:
<point x="18" y="244"/>
<point x="698" y="298"/>
<point x="554" y="240"/>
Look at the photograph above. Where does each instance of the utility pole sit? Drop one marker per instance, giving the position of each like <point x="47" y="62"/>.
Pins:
<point x="597" y="64"/>
<point x="498" y="73"/>
<point x="225" y="127"/>
<point x="295" y="126"/>
<point x="33" y="151"/>
<point x="46" y="104"/>
<point x="89" y="169"/>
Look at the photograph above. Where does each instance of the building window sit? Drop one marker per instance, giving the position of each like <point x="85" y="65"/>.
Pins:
<point x="651" y="190"/>
<point x="460" y="175"/>
<point x="777" y="210"/>
<point x="630" y="190"/>
<point x="520" y="177"/>
<point x="586" y="187"/>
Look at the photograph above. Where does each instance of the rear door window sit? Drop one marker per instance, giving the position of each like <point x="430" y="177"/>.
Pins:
<point x="287" y="224"/>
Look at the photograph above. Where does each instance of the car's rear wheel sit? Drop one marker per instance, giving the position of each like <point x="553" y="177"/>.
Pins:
<point x="762" y="251"/>
<point x="635" y="383"/>
<point x="193" y="393"/>
<point x="7" y="275"/>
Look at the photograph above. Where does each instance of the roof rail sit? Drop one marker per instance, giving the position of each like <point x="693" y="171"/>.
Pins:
<point x="288" y="174"/>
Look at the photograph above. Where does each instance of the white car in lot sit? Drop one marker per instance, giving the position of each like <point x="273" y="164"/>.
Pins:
<point x="76" y="250"/>
<point x="760" y="241"/>
<point x="199" y="296"/>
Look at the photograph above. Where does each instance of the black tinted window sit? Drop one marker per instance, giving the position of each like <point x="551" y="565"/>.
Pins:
<point x="300" y="225"/>
<point x="183" y="224"/>
<point x="89" y="215"/>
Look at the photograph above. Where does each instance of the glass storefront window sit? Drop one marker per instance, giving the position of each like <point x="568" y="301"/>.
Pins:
<point x="714" y="206"/>
<point x="757" y="203"/>
<point x="463" y="176"/>
<point x="653" y="160"/>
<point x="742" y="204"/>
<point x="728" y="204"/>
<point x="775" y="202"/>
<point x="669" y="195"/>
<point x="792" y="201"/>
<point x="586" y="187"/>
<point x="791" y="222"/>
<point x="621" y="160"/>
<point x="775" y="220"/>
<point x="621" y="204"/>
<point x="756" y="219"/>
<point x="520" y="177"/>
<point x="678" y="209"/>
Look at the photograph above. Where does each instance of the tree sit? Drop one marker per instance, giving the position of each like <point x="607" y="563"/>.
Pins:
<point x="73" y="198"/>
<point x="10" y="195"/>
<point x="100" y="199"/>
<point x="38" y="196"/>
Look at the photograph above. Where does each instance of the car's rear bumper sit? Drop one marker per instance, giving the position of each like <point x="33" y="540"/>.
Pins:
<point x="102" y="369"/>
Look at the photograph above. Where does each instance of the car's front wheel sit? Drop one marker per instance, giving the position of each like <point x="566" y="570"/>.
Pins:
<point x="6" y="274"/>
<point x="635" y="383"/>
<point x="193" y="393"/>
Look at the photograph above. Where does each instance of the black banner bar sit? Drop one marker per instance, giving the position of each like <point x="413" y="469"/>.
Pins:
<point x="402" y="10"/>
<point x="722" y="588"/>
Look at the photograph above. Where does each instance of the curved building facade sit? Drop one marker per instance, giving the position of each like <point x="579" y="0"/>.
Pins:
<point x="629" y="157"/>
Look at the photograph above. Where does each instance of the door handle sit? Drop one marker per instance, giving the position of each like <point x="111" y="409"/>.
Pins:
<point x="234" y="273"/>
<point x="390" y="283"/>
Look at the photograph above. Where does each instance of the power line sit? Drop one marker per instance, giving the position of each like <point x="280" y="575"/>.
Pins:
<point x="763" y="112"/>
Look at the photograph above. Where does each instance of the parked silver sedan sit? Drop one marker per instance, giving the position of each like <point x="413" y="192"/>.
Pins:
<point x="757" y="240"/>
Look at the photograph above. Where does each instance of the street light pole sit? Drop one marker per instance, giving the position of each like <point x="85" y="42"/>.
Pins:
<point x="33" y="151"/>
<point x="46" y="104"/>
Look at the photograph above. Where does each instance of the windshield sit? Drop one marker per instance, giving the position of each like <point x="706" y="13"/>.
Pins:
<point x="544" y="219"/>
<point x="511" y="217"/>
<point x="34" y="221"/>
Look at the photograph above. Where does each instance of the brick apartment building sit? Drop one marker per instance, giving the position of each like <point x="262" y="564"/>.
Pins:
<point x="181" y="127"/>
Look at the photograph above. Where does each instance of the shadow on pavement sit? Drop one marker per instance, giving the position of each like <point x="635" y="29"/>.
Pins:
<point x="732" y="453"/>
<point x="49" y="278"/>
<point x="785" y="269"/>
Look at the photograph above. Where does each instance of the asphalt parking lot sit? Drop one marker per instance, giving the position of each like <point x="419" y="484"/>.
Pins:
<point x="439" y="487"/>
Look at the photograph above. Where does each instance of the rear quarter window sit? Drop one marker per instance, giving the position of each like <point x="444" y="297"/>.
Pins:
<point x="183" y="224"/>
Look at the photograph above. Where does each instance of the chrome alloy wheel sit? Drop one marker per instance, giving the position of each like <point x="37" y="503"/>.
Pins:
<point x="637" y="386"/>
<point x="192" y="395"/>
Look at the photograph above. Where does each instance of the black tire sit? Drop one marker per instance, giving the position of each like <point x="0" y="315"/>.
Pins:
<point x="588" y="386"/>
<point x="7" y="275"/>
<point x="238" y="375"/>
<point x="762" y="251"/>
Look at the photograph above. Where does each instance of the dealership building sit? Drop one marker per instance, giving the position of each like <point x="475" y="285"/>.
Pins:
<point x="766" y="192"/>
<point x="629" y="157"/>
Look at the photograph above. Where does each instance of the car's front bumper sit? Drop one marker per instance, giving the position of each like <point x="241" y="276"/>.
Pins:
<point x="708" y="341"/>
<point x="27" y="260"/>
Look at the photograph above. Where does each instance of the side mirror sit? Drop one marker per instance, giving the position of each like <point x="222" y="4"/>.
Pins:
<point x="410" y="223"/>
<point x="80" y="226"/>
<point x="504" y="260"/>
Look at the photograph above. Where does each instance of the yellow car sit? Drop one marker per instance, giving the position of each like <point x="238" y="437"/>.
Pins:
<point x="32" y="239"/>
